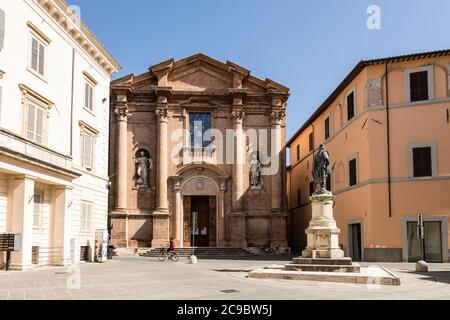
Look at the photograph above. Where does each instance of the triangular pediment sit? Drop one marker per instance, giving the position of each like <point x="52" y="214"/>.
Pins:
<point x="199" y="72"/>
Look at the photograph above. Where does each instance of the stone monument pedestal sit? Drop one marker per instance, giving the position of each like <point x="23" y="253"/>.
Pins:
<point x="323" y="252"/>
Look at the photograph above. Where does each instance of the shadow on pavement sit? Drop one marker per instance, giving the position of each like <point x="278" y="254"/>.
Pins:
<point x="434" y="276"/>
<point x="284" y="258"/>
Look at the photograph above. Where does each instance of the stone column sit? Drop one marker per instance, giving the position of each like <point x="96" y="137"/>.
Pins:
<point x="222" y="219"/>
<point x="238" y="166"/>
<point x="276" y="149"/>
<point x="237" y="222"/>
<point x="162" y="204"/>
<point x="278" y="216"/>
<point x="22" y="221"/>
<point x="161" y="214"/>
<point x="122" y="114"/>
<point x="177" y="217"/>
<point x="62" y="223"/>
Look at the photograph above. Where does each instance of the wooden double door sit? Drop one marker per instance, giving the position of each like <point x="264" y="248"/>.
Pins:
<point x="204" y="208"/>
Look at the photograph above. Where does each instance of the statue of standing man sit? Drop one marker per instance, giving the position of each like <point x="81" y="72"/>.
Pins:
<point x="255" y="171"/>
<point x="144" y="166"/>
<point x="321" y="171"/>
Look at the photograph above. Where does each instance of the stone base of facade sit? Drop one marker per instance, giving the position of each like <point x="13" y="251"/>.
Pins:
<point x="160" y="227"/>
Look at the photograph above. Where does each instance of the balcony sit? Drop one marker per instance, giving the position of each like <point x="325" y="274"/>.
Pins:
<point x="16" y="146"/>
<point x="199" y="155"/>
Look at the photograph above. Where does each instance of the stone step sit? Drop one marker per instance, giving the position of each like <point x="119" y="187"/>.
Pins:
<point x="355" y="268"/>
<point x="323" y="261"/>
<point x="203" y="252"/>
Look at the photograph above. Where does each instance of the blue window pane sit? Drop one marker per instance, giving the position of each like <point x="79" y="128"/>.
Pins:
<point x="199" y="126"/>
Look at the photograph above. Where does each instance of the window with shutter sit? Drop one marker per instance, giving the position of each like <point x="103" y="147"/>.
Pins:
<point x="329" y="183"/>
<point x="89" y="96"/>
<point x="311" y="141"/>
<point x="352" y="172"/>
<point x="87" y="151"/>
<point x="35" y="123"/>
<point x="311" y="188"/>
<point x="418" y="82"/>
<point x="38" y="56"/>
<point x="34" y="54"/>
<point x="422" y="162"/>
<point x="298" y="153"/>
<point x="350" y="106"/>
<point x="86" y="216"/>
<point x="38" y="200"/>
<point x="327" y="128"/>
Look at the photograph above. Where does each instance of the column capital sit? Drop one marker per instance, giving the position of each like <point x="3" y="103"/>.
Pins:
<point x="238" y="115"/>
<point x="122" y="112"/>
<point x="278" y="116"/>
<point x="162" y="113"/>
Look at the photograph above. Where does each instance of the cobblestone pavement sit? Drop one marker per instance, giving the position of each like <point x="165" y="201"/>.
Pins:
<point x="147" y="278"/>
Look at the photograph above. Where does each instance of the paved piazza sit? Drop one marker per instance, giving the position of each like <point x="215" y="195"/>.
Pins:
<point x="147" y="278"/>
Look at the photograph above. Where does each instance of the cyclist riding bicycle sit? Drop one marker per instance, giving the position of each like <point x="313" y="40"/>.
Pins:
<point x="171" y="247"/>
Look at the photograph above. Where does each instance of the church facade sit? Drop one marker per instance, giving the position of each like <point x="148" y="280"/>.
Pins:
<point x="197" y="154"/>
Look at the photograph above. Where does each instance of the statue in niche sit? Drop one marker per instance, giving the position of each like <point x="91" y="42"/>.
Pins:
<point x="321" y="170"/>
<point x="255" y="171"/>
<point x="144" y="167"/>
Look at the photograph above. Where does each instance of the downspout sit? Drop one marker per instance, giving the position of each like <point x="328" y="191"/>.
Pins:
<point x="388" y="136"/>
<point x="72" y="102"/>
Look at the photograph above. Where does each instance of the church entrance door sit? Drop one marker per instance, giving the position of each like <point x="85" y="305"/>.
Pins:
<point x="204" y="207"/>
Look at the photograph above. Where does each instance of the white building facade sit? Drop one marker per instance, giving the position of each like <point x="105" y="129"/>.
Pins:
<point x="54" y="101"/>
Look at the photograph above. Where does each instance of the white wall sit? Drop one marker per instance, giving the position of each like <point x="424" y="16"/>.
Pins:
<point x="57" y="87"/>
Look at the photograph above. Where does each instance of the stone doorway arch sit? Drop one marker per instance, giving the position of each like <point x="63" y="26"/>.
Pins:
<point x="199" y="184"/>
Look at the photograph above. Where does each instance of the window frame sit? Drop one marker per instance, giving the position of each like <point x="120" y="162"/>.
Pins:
<point x="92" y="84"/>
<point x="434" y="164"/>
<point x="407" y="83"/>
<point x="87" y="222"/>
<point x="86" y="130"/>
<point x="42" y="40"/>
<point x="349" y="160"/>
<point x="349" y="93"/>
<point x="204" y="142"/>
<point x="326" y="137"/>
<point x="312" y="188"/>
<point x="311" y="141"/>
<point x="41" y="192"/>
<point x="30" y="96"/>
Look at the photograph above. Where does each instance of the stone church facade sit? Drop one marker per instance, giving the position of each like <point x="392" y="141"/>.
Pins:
<point x="197" y="154"/>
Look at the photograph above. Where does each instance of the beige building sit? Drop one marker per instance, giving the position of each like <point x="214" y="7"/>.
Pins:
<point x="387" y="128"/>
<point x="54" y="130"/>
<point x="197" y="139"/>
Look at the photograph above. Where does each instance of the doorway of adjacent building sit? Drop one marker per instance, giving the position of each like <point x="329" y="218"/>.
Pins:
<point x="204" y="207"/>
<point x="433" y="242"/>
<point x="355" y="243"/>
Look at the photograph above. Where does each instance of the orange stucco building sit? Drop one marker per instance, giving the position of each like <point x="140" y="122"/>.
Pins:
<point x="387" y="128"/>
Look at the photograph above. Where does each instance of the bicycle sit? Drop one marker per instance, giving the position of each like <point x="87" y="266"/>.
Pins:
<point x="163" y="254"/>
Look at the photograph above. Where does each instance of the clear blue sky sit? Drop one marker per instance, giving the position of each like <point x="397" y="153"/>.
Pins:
<point x="307" y="45"/>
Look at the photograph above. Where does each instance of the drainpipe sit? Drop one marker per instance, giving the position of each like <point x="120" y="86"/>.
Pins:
<point x="388" y="135"/>
<point x="71" y="102"/>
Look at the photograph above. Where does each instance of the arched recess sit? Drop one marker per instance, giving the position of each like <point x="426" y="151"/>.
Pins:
<point x="200" y="181"/>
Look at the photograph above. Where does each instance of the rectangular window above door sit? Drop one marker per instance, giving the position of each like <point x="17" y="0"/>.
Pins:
<point x="200" y="129"/>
